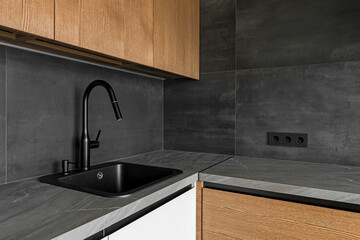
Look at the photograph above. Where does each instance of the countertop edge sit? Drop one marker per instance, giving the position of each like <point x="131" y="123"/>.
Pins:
<point x="301" y="191"/>
<point x="93" y="227"/>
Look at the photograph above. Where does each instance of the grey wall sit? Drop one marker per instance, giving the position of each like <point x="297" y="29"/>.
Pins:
<point x="40" y="113"/>
<point x="200" y="115"/>
<point x="296" y="70"/>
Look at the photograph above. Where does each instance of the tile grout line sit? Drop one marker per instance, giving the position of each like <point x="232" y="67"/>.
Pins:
<point x="214" y="72"/>
<point x="163" y="116"/>
<point x="235" y="134"/>
<point x="6" y="116"/>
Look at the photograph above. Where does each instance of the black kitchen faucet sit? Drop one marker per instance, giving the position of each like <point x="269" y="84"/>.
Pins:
<point x="86" y="144"/>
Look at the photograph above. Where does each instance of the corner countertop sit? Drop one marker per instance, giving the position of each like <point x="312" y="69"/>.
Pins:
<point x="329" y="182"/>
<point x="33" y="210"/>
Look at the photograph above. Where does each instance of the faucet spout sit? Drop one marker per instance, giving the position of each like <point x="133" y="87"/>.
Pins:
<point x="116" y="110"/>
<point x="85" y="139"/>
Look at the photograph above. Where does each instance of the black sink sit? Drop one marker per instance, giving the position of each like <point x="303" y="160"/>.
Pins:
<point x="116" y="179"/>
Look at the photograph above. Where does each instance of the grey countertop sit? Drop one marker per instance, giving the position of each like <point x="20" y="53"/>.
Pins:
<point x="322" y="181"/>
<point x="33" y="210"/>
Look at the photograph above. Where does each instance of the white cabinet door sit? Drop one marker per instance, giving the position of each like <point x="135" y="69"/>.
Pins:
<point x="175" y="220"/>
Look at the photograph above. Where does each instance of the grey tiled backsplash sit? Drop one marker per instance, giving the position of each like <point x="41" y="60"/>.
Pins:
<point x="200" y="115"/>
<point x="217" y="35"/>
<point x="322" y="100"/>
<point x="296" y="71"/>
<point x="43" y="97"/>
<point x="291" y="32"/>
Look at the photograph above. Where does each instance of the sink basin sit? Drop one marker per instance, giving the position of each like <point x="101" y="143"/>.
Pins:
<point x="116" y="179"/>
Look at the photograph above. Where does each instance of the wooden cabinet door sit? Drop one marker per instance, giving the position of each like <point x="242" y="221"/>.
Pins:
<point x="138" y="31"/>
<point x="227" y="215"/>
<point x="91" y="24"/>
<point x="119" y="28"/>
<point x="176" y="36"/>
<point x="31" y="16"/>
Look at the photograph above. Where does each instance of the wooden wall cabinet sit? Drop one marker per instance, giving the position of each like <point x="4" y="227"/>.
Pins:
<point x="119" y="28"/>
<point x="176" y="36"/>
<point x="151" y="36"/>
<point x="31" y="16"/>
<point x="139" y="31"/>
<point x="227" y="215"/>
<point x="91" y="24"/>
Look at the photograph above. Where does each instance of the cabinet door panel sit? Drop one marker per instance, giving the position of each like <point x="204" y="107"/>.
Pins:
<point x="139" y="29"/>
<point x="166" y="45"/>
<point x="91" y="24"/>
<point x="176" y="36"/>
<point x="190" y="27"/>
<point x="32" y="16"/>
<point x="102" y="26"/>
<point x="67" y="21"/>
<point x="174" y="220"/>
<point x="229" y="215"/>
<point x="119" y="28"/>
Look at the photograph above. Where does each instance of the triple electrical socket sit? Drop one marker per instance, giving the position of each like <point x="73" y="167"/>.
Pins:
<point x="288" y="139"/>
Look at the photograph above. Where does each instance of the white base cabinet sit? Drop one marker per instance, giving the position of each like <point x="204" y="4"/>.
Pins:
<point x="175" y="220"/>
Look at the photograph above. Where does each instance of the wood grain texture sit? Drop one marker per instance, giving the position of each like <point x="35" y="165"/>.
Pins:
<point x="176" y="36"/>
<point x="216" y="236"/>
<point x="31" y="16"/>
<point x="53" y="47"/>
<point x="165" y="40"/>
<point x="102" y="26"/>
<point x="67" y="21"/>
<point x="199" y="205"/>
<point x="42" y="46"/>
<point x="138" y="31"/>
<point x="11" y="14"/>
<point x="191" y="21"/>
<point x="229" y="215"/>
<point x="118" y="28"/>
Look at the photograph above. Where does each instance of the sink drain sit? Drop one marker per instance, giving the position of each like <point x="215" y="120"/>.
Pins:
<point x="100" y="175"/>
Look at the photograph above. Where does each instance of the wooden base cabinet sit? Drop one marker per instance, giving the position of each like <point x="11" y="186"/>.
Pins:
<point x="228" y="216"/>
<point x="174" y="220"/>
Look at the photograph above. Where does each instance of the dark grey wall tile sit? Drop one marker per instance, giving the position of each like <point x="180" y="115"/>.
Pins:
<point x="141" y="103"/>
<point x="2" y="115"/>
<point x="199" y="115"/>
<point x="217" y="35"/>
<point x="292" y="32"/>
<point x="44" y="113"/>
<point x="321" y="100"/>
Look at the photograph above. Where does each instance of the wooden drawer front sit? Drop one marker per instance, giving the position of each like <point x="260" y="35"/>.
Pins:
<point x="229" y="215"/>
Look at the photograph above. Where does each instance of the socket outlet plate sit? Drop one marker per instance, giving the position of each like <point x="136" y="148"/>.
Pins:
<point x="288" y="139"/>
